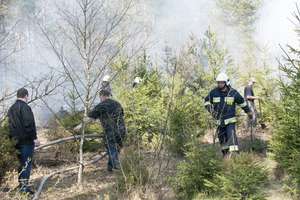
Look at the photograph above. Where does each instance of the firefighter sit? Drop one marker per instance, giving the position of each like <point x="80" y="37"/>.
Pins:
<point x="221" y="102"/>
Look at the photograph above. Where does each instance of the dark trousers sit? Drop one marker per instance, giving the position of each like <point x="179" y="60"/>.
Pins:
<point x="25" y="158"/>
<point x="113" y="157"/>
<point x="252" y="122"/>
<point x="227" y="138"/>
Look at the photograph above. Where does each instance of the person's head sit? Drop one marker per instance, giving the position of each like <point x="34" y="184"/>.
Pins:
<point x="23" y="94"/>
<point x="252" y="81"/>
<point x="222" y="81"/>
<point x="106" y="78"/>
<point x="221" y="84"/>
<point x="137" y="80"/>
<point x="104" y="94"/>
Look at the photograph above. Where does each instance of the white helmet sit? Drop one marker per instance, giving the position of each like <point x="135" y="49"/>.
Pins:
<point x="137" y="80"/>
<point x="223" y="77"/>
<point x="106" y="78"/>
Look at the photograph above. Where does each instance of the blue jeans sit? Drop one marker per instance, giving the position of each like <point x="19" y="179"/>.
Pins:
<point x="113" y="158"/>
<point x="25" y="158"/>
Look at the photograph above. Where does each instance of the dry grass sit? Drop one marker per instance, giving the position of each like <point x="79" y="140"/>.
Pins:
<point x="98" y="184"/>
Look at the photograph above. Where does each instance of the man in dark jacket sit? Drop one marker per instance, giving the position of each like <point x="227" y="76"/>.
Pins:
<point x="250" y="98"/>
<point x="111" y="115"/>
<point x="221" y="103"/>
<point x="23" y="130"/>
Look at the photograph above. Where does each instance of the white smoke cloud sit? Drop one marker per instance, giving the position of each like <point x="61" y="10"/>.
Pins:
<point x="275" y="25"/>
<point x="172" y="21"/>
<point x="175" y="20"/>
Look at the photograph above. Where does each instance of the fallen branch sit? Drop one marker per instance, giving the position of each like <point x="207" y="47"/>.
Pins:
<point x="63" y="140"/>
<point x="45" y="178"/>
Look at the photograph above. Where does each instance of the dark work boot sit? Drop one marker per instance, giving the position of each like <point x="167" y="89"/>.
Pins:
<point x="225" y="152"/>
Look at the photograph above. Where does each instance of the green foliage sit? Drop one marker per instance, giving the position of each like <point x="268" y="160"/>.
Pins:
<point x="66" y="150"/>
<point x="64" y="127"/>
<point x="93" y="146"/>
<point x="171" y="104"/>
<point x="257" y="145"/>
<point x="242" y="177"/>
<point x="202" y="60"/>
<point x="204" y="175"/>
<point x="94" y="127"/>
<point x="266" y="88"/>
<point x="144" y="109"/>
<point x="8" y="153"/>
<point x="202" y="164"/>
<point x="202" y="196"/>
<point x="180" y="132"/>
<point x="187" y="122"/>
<point x="134" y="172"/>
<point x="5" y="6"/>
<point x="216" y="55"/>
<point x="195" y="71"/>
<point x="242" y="15"/>
<point x="286" y="140"/>
<point x="66" y="121"/>
<point x="70" y="121"/>
<point x="291" y="185"/>
<point x="240" y="12"/>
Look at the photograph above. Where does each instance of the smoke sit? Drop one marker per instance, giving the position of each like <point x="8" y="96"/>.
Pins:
<point x="31" y="59"/>
<point x="171" y="21"/>
<point x="176" y="20"/>
<point x="275" y="25"/>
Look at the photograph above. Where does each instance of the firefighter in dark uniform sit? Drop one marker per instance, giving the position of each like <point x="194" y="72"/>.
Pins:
<point x="221" y="103"/>
<point x="111" y="115"/>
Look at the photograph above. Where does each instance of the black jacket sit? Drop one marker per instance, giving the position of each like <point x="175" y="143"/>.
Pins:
<point x="222" y="105"/>
<point x="21" y="123"/>
<point x="111" y="115"/>
<point x="248" y="91"/>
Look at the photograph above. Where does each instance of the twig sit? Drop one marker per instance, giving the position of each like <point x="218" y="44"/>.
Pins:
<point x="45" y="178"/>
<point x="63" y="140"/>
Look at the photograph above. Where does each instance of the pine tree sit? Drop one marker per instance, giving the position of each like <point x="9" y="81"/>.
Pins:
<point x="286" y="141"/>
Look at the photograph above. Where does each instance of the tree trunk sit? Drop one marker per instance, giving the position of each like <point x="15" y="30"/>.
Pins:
<point x="80" y="169"/>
